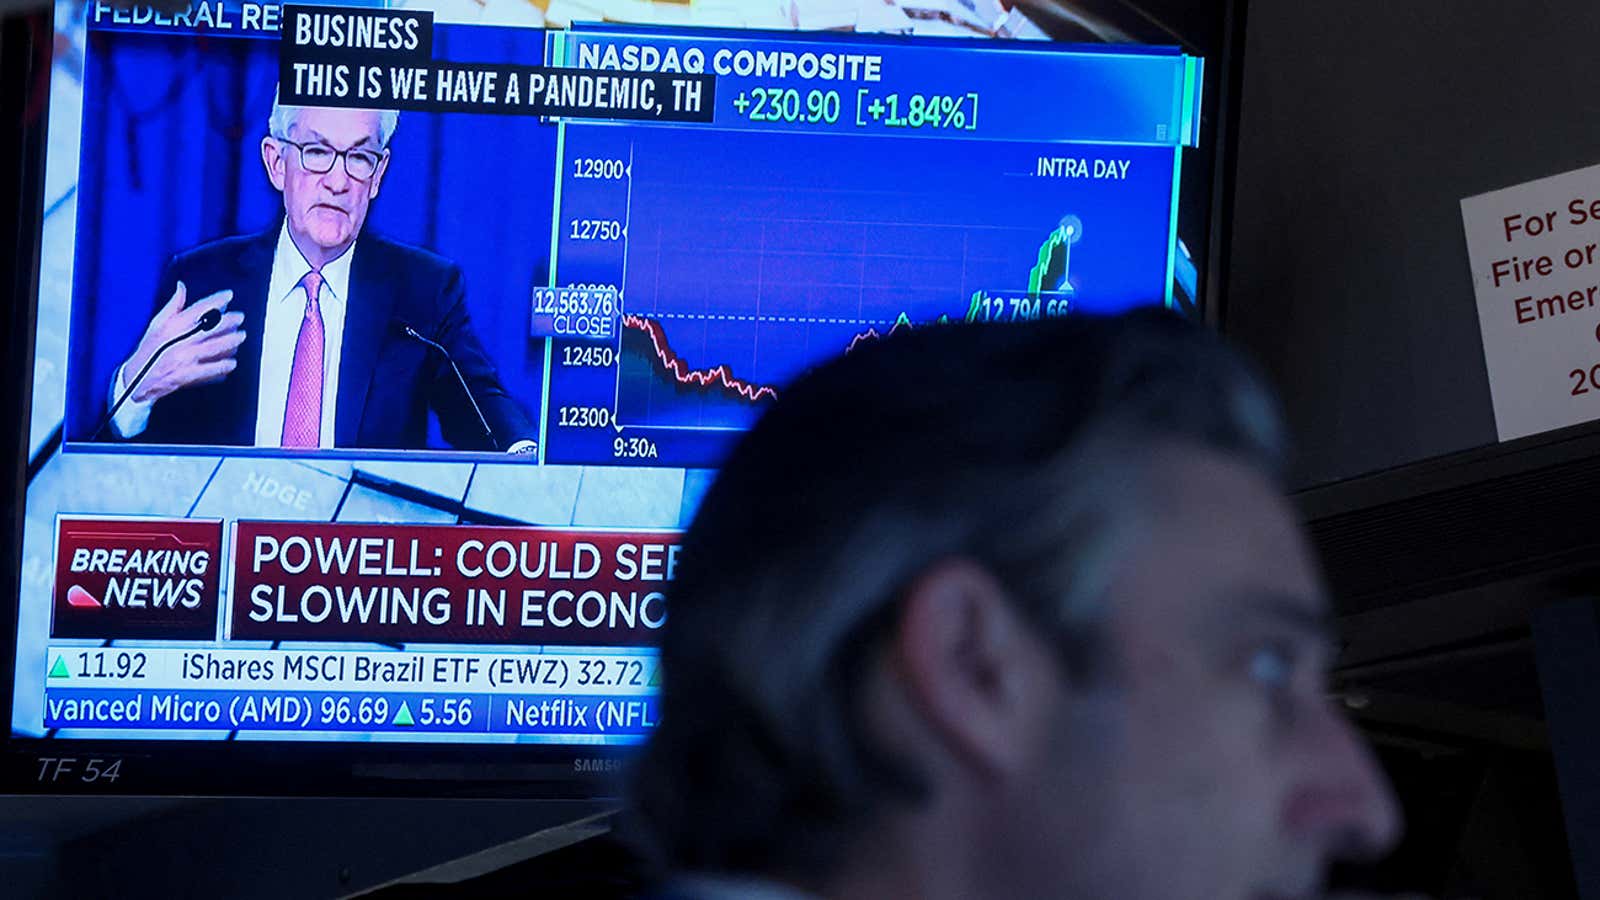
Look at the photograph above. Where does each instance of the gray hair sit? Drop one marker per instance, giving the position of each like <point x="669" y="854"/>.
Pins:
<point x="283" y="116"/>
<point x="1022" y="448"/>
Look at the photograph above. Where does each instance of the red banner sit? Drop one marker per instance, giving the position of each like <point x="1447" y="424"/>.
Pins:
<point x="137" y="578"/>
<point x="449" y="584"/>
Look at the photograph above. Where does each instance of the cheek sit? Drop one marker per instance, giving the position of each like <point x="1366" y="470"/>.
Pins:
<point x="354" y="221"/>
<point x="1188" y="706"/>
<point x="300" y="189"/>
<point x="1200" y="745"/>
<point x="1142" y="812"/>
<point x="1196" y="805"/>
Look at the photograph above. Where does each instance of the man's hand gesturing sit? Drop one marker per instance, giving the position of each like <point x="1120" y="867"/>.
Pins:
<point x="206" y="357"/>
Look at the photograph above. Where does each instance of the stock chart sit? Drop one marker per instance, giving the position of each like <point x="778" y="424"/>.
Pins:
<point x="726" y="265"/>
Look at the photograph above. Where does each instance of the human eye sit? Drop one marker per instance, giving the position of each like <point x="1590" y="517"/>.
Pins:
<point x="363" y="162"/>
<point x="317" y="154"/>
<point x="1272" y="665"/>
<point x="1289" y="675"/>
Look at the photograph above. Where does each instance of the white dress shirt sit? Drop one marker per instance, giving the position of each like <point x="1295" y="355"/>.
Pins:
<point x="286" y="308"/>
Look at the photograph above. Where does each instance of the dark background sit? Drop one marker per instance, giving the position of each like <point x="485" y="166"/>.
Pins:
<point x="1362" y="125"/>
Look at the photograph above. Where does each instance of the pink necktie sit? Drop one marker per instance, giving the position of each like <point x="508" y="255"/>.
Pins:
<point x="302" y="414"/>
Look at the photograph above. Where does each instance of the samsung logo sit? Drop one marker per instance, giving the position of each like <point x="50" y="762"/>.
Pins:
<point x="596" y="765"/>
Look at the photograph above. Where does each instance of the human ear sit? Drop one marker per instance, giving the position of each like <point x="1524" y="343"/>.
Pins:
<point x="973" y="669"/>
<point x="273" y="159"/>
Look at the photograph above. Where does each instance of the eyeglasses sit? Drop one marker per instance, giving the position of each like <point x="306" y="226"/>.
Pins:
<point x="318" y="159"/>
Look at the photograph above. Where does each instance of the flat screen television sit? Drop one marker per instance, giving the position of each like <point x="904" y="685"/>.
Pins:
<point x="371" y="358"/>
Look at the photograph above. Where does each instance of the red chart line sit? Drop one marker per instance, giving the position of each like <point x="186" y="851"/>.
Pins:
<point x="722" y="375"/>
<point x="679" y="369"/>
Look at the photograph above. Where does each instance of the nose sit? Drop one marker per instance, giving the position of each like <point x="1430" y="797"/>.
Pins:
<point x="1342" y="800"/>
<point x="336" y="179"/>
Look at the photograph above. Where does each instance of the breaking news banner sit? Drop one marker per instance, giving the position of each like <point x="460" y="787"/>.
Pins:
<point x="383" y="59"/>
<point x="449" y="584"/>
<point x="137" y="578"/>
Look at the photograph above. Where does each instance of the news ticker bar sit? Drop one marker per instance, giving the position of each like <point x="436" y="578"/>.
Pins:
<point x="728" y="80"/>
<point x="383" y="59"/>
<point x="821" y="85"/>
<point x="311" y="711"/>
<point x="395" y="671"/>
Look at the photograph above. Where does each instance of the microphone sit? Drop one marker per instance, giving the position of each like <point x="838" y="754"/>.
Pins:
<point x="208" y="321"/>
<point x="406" y="329"/>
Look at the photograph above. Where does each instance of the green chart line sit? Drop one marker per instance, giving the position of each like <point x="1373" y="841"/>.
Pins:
<point x="976" y="306"/>
<point x="1057" y="238"/>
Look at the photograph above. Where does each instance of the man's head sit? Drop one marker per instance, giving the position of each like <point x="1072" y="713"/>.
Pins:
<point x="1020" y="604"/>
<point x="329" y="164"/>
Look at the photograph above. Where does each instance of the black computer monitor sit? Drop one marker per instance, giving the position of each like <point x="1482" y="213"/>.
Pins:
<point x="372" y="370"/>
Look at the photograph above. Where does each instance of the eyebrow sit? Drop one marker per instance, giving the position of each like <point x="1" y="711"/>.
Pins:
<point x="1292" y="610"/>
<point x="318" y="137"/>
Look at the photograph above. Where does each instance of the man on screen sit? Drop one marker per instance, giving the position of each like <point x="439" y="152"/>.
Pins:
<point x="1007" y="611"/>
<point x="324" y="335"/>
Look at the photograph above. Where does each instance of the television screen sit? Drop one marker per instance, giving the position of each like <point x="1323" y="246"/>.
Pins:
<point x="383" y="351"/>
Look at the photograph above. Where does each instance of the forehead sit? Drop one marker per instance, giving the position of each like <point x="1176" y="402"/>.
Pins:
<point x="340" y="127"/>
<point x="1218" y="538"/>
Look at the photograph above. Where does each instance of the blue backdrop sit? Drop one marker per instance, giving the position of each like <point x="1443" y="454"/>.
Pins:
<point x="170" y="158"/>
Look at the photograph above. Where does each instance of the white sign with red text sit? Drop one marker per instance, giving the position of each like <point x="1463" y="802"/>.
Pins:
<point x="1535" y="254"/>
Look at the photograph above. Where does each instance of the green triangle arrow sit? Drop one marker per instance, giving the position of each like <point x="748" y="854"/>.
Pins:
<point x="655" y="678"/>
<point x="59" y="670"/>
<point x="403" y="717"/>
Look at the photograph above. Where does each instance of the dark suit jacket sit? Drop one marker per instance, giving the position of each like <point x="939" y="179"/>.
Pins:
<point x="387" y="380"/>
